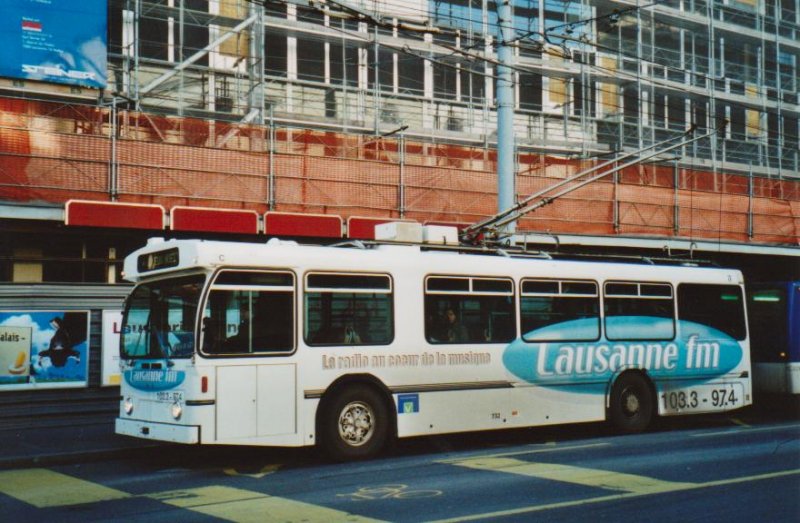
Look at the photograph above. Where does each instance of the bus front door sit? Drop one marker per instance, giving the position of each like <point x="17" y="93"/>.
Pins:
<point x="255" y="401"/>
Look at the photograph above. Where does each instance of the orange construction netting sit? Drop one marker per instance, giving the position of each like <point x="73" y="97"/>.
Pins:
<point x="56" y="152"/>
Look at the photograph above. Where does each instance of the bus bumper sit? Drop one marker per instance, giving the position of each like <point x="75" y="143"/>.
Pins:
<point x="158" y="431"/>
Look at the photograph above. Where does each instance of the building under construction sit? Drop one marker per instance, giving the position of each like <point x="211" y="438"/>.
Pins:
<point x="317" y="119"/>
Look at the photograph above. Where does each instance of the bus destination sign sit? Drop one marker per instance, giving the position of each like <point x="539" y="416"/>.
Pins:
<point x="158" y="260"/>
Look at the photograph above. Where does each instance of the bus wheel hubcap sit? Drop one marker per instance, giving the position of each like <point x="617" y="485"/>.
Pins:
<point x="630" y="403"/>
<point x="356" y="423"/>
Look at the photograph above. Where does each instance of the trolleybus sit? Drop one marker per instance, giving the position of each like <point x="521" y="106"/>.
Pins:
<point x="347" y="347"/>
<point x="774" y="310"/>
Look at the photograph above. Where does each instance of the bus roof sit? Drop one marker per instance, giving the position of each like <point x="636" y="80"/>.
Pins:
<point x="161" y="257"/>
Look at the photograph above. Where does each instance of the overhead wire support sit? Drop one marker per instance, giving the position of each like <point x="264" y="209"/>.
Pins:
<point x="491" y="229"/>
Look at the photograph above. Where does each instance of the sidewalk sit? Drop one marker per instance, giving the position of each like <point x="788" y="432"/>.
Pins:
<point x="36" y="446"/>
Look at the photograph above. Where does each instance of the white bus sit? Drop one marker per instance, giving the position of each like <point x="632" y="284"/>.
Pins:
<point x="348" y="347"/>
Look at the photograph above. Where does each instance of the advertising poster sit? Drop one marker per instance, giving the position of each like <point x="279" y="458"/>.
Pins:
<point x="112" y="322"/>
<point x="43" y="349"/>
<point x="60" y="41"/>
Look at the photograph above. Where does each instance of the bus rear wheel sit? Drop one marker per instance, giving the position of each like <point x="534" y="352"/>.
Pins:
<point x="354" y="424"/>
<point x="632" y="404"/>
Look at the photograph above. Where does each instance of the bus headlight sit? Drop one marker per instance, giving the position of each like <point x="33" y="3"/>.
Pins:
<point x="128" y="406"/>
<point x="177" y="410"/>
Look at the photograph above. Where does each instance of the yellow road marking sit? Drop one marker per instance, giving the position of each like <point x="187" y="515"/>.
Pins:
<point x="45" y="488"/>
<point x="266" y="469"/>
<point x="243" y="505"/>
<point x="548" y="448"/>
<point x="615" y="497"/>
<point x="578" y="475"/>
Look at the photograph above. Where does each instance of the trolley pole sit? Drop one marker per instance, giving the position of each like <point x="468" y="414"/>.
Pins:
<point x="505" y="111"/>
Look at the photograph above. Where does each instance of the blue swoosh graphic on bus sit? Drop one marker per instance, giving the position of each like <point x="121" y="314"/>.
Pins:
<point x="697" y="352"/>
<point x="154" y="380"/>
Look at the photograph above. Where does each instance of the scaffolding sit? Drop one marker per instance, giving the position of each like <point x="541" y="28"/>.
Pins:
<point x="386" y="110"/>
<point x="592" y="77"/>
<point x="54" y="152"/>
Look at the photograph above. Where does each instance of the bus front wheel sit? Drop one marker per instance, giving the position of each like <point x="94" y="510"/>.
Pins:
<point x="355" y="424"/>
<point x="632" y="405"/>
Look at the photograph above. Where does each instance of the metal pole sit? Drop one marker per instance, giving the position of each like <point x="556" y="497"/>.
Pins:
<point x="750" y="203"/>
<point x="344" y="79"/>
<point x="112" y="168"/>
<point x="676" y="210"/>
<point x="182" y="88"/>
<point x="616" y="201"/>
<point x="505" y="111"/>
<point x="271" y="203"/>
<point x="402" y="192"/>
<point x="715" y="141"/>
<point x="137" y="42"/>
<point x="255" y="65"/>
<point x="376" y="84"/>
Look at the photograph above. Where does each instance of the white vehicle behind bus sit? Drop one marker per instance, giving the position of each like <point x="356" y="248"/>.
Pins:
<point x="348" y="347"/>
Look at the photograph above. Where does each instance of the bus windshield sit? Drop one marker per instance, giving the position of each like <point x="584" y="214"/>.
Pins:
<point x="159" y="319"/>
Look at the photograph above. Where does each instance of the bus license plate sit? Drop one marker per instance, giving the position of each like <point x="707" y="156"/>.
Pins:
<point x="171" y="396"/>
<point x="702" y="398"/>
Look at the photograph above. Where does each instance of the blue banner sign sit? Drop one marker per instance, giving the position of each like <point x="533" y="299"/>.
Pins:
<point x="699" y="353"/>
<point x="60" y="41"/>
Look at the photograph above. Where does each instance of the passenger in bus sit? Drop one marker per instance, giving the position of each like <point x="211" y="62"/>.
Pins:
<point x="210" y="335"/>
<point x="455" y="332"/>
<point x="240" y="342"/>
<point x="351" y="337"/>
<point x="336" y="335"/>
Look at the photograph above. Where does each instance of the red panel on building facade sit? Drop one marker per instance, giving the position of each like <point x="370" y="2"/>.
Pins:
<point x="311" y="225"/>
<point x="83" y="213"/>
<point x="363" y="228"/>
<point x="203" y="219"/>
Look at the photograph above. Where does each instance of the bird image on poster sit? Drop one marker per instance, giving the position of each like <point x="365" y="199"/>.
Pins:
<point x="43" y="348"/>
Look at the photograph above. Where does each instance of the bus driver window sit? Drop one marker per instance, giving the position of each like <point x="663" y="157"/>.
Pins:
<point x="249" y="313"/>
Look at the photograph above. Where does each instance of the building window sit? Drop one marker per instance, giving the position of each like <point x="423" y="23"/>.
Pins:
<point x="630" y="101"/>
<point x="385" y="69"/>
<point x="344" y="66"/>
<point x="659" y="110"/>
<point x="310" y="59"/>
<point x="275" y="50"/>
<point x="530" y="91"/>
<point x="676" y="106"/>
<point x="411" y="72"/>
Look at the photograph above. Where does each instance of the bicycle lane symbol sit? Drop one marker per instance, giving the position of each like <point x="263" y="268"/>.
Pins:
<point x="389" y="492"/>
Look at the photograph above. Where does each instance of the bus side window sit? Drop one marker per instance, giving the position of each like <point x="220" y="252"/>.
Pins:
<point x="348" y="309"/>
<point x="717" y="306"/>
<point x="639" y="311"/>
<point x="467" y="309"/>
<point x="559" y="310"/>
